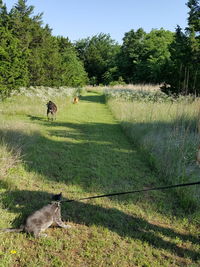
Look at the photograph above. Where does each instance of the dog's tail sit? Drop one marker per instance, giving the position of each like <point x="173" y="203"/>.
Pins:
<point x="9" y="230"/>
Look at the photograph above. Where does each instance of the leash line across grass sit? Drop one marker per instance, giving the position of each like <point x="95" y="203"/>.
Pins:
<point x="134" y="191"/>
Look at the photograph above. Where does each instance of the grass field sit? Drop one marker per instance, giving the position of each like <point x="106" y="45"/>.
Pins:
<point x="85" y="152"/>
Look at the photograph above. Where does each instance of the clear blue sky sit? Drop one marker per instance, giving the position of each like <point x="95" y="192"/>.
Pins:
<point x="77" y="19"/>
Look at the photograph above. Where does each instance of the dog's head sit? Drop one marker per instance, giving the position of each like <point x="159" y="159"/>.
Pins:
<point x="57" y="197"/>
<point x="49" y="103"/>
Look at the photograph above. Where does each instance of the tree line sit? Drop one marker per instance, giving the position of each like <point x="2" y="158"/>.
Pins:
<point x="30" y="55"/>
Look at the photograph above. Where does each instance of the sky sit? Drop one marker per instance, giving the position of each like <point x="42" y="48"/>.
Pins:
<point x="77" y="19"/>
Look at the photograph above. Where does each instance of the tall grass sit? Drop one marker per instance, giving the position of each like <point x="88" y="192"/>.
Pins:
<point x="8" y="158"/>
<point x="167" y="133"/>
<point x="133" y="87"/>
<point x="44" y="93"/>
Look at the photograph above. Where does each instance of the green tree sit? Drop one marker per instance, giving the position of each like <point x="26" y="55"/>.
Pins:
<point x="21" y="23"/>
<point x="98" y="54"/>
<point x="194" y="44"/>
<point x="72" y="69"/>
<point x="13" y="65"/>
<point x="143" y="55"/>
<point x="184" y="65"/>
<point x="178" y="63"/>
<point x="51" y="59"/>
<point x="194" y="15"/>
<point x="27" y="28"/>
<point x="156" y="55"/>
<point x="131" y="55"/>
<point x="50" y="62"/>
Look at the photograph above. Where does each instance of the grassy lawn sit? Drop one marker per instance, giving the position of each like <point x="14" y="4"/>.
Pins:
<point x="83" y="153"/>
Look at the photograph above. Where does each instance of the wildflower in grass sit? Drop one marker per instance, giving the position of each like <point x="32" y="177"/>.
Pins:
<point x="13" y="251"/>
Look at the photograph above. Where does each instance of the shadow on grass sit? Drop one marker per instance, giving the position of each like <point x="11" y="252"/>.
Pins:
<point x="37" y="118"/>
<point x="94" y="156"/>
<point x="93" y="98"/>
<point x="117" y="221"/>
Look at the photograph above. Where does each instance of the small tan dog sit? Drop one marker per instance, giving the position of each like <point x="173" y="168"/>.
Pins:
<point x="75" y="100"/>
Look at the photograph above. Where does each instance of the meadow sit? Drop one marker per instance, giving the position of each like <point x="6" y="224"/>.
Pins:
<point x="90" y="150"/>
<point x="166" y="130"/>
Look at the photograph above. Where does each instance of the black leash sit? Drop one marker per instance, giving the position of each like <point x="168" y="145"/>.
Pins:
<point x="132" y="192"/>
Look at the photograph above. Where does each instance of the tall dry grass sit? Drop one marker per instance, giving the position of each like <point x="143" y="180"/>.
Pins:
<point x="134" y="87"/>
<point x="167" y="133"/>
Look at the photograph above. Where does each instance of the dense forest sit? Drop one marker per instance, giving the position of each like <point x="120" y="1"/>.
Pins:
<point x="31" y="56"/>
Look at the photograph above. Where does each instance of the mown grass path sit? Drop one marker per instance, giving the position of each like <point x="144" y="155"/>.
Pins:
<point x="85" y="152"/>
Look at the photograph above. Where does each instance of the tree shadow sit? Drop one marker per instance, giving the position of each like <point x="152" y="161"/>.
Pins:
<point x="95" y="156"/>
<point x="94" y="98"/>
<point x="36" y="118"/>
<point x="101" y="158"/>
<point x="123" y="224"/>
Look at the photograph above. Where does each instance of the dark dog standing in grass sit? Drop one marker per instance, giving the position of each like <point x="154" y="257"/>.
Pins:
<point x="51" y="110"/>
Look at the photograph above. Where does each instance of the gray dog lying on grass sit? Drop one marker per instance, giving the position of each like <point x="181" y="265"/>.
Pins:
<point x="42" y="219"/>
